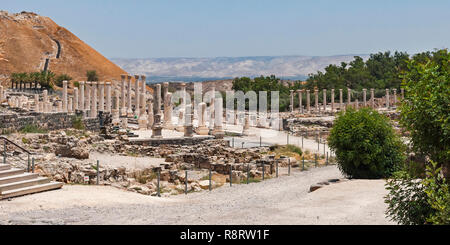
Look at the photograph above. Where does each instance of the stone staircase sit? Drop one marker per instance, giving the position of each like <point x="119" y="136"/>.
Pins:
<point x="16" y="182"/>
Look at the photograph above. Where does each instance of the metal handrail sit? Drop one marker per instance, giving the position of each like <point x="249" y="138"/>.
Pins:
<point x="6" y="140"/>
<point x="16" y="145"/>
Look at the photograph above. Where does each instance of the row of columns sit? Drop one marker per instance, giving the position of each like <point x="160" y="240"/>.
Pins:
<point x="341" y="104"/>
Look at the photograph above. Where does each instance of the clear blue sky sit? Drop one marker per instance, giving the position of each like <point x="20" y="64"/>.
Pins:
<point x="210" y="28"/>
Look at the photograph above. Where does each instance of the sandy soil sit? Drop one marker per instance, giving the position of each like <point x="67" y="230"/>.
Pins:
<point x="276" y="201"/>
<point x="128" y="162"/>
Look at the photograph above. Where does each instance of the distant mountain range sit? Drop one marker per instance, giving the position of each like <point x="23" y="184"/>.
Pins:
<point x="201" y="69"/>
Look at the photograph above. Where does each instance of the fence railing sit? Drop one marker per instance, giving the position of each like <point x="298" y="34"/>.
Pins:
<point x="30" y="163"/>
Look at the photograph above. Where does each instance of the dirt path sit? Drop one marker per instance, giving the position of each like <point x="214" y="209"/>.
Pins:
<point x="276" y="201"/>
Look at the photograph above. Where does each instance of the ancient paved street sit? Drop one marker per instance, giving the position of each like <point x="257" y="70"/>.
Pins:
<point x="277" y="201"/>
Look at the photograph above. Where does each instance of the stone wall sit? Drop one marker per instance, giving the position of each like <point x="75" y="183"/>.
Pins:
<point x="49" y="121"/>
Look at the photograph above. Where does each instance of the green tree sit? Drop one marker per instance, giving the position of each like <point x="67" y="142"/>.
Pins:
<point x="63" y="77"/>
<point x="92" y="76"/>
<point x="365" y="144"/>
<point x="426" y="111"/>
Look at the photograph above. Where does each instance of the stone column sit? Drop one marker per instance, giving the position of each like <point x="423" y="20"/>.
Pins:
<point x="165" y="91"/>
<point x="36" y="103"/>
<point x="1" y="93"/>
<point x="372" y="98"/>
<point x="64" y="96"/>
<point x="137" y="93"/>
<point x="94" y="100"/>
<point x="59" y="106"/>
<point x="81" y="105"/>
<point x="143" y="118"/>
<point x="188" y="127"/>
<point x="41" y="107"/>
<point x="292" y="101"/>
<point x="387" y="98"/>
<point x="123" y="109"/>
<point x="246" y="130"/>
<point x="168" y="111"/>
<point x="395" y="96"/>
<point x="129" y="106"/>
<point x="88" y="93"/>
<point x="115" y="110"/>
<point x="212" y="108"/>
<point x="332" y="100"/>
<point x="349" y="96"/>
<point x="308" y="101"/>
<point x="183" y="90"/>
<point x="150" y="117"/>
<point x="356" y="104"/>
<point x="316" y="100"/>
<point x="324" y="100"/>
<point x="144" y="84"/>
<point x="70" y="105"/>
<point x="75" y="99"/>
<point x="45" y="101"/>
<point x="403" y="93"/>
<point x="218" y="108"/>
<point x="300" y="102"/>
<point x="157" y="126"/>
<point x="365" y="97"/>
<point x="341" y="100"/>
<point x="108" y="97"/>
<point x="202" y="129"/>
<point x="101" y="102"/>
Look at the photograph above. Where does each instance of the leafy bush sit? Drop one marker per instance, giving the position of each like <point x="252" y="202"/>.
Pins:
<point x="92" y="76"/>
<point x="437" y="190"/>
<point x="63" y="77"/>
<point x="366" y="145"/>
<point x="77" y="123"/>
<point x="426" y="111"/>
<point x="407" y="200"/>
<point x="413" y="201"/>
<point x="31" y="128"/>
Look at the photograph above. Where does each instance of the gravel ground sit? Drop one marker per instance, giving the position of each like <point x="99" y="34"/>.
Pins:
<point x="276" y="201"/>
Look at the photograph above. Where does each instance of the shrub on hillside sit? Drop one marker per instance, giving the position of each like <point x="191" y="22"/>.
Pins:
<point x="365" y="144"/>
